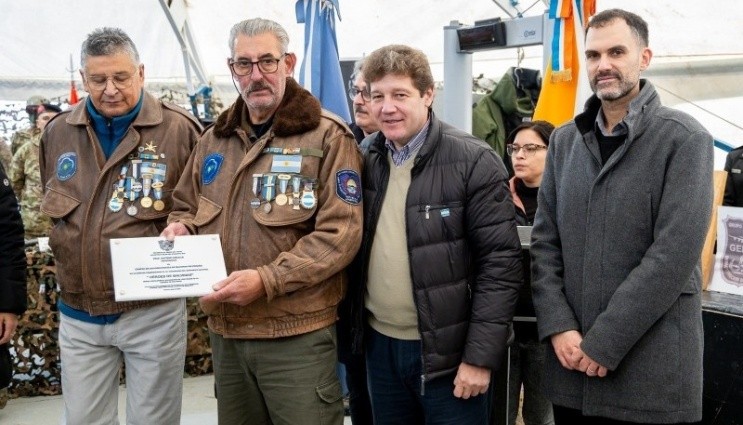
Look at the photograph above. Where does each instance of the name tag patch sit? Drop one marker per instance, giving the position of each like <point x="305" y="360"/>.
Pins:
<point x="348" y="186"/>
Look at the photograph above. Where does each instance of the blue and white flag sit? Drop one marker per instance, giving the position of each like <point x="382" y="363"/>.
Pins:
<point x="320" y="72"/>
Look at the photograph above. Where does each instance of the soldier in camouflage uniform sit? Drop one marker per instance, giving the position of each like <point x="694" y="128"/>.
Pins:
<point x="5" y="155"/>
<point x="26" y="180"/>
<point x="20" y="137"/>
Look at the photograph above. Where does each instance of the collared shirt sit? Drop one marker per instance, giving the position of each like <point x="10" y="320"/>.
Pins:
<point x="407" y="151"/>
<point x="609" y="143"/>
<point x="619" y="130"/>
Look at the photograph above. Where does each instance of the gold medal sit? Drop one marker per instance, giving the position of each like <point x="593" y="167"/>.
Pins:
<point x="146" y="202"/>
<point x="281" y="199"/>
<point x="158" y="205"/>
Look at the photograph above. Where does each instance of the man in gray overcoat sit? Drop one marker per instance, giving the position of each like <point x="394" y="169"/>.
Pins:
<point x="624" y="206"/>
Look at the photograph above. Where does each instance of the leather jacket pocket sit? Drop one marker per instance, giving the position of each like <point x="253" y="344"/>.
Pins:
<point x="207" y="211"/>
<point x="282" y="215"/>
<point x="57" y="204"/>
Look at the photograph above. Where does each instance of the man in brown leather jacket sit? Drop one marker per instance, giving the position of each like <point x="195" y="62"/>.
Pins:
<point x="108" y="168"/>
<point x="277" y="178"/>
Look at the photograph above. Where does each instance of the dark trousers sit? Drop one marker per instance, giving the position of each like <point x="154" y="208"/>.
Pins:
<point x="358" y="391"/>
<point x="400" y="398"/>
<point x="567" y="416"/>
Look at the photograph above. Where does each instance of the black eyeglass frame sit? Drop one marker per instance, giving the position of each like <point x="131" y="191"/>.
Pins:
<point x="261" y="63"/>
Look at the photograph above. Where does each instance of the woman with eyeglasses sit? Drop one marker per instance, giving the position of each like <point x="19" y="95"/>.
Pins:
<point x="527" y="146"/>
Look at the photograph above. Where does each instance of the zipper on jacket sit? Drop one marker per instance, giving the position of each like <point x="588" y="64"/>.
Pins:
<point x="428" y="208"/>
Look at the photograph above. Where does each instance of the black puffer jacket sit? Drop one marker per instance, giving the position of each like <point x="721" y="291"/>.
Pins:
<point x="12" y="257"/>
<point x="12" y="266"/>
<point x="465" y="264"/>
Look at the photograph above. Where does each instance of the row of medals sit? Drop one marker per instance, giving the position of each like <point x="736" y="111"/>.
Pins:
<point x="131" y="187"/>
<point x="264" y="188"/>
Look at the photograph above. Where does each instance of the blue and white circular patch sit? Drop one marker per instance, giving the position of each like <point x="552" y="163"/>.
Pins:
<point x="348" y="186"/>
<point x="66" y="166"/>
<point x="211" y="166"/>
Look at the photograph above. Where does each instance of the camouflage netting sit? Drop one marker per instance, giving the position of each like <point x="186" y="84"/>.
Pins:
<point x="35" y="348"/>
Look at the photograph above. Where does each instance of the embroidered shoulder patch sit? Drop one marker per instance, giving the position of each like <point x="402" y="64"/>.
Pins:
<point x="348" y="186"/>
<point x="66" y="166"/>
<point x="210" y="168"/>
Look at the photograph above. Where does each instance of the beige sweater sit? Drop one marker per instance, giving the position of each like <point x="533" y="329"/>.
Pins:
<point x="389" y="296"/>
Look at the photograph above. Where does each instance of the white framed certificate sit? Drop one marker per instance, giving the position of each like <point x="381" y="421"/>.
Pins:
<point x="155" y="268"/>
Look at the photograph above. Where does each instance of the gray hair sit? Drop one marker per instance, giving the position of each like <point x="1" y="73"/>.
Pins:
<point x="358" y="67"/>
<point x="108" y="41"/>
<point x="257" y="26"/>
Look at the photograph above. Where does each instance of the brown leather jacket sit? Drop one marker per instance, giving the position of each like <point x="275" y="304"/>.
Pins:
<point x="300" y="253"/>
<point x="78" y="187"/>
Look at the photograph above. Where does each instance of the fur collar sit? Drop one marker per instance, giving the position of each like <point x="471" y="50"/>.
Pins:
<point x="298" y="113"/>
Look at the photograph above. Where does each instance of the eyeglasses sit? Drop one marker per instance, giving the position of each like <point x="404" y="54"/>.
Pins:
<point x="120" y="81"/>
<point x="353" y="92"/>
<point x="366" y="95"/>
<point x="243" y="67"/>
<point x="529" y="149"/>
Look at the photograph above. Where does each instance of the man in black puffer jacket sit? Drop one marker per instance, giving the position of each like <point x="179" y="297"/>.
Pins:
<point x="440" y="263"/>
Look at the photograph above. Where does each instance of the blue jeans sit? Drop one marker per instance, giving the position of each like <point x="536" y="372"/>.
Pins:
<point x="395" y="375"/>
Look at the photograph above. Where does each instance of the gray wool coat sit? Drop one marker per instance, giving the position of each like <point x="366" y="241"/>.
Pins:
<point x="615" y="255"/>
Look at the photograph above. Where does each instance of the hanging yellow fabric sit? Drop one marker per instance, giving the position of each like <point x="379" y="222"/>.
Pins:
<point x="565" y="86"/>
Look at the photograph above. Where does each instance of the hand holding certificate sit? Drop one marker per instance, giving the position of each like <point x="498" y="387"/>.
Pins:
<point x="155" y="268"/>
<point x="241" y="287"/>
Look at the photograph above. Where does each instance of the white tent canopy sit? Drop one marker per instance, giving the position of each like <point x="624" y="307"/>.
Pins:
<point x="697" y="64"/>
